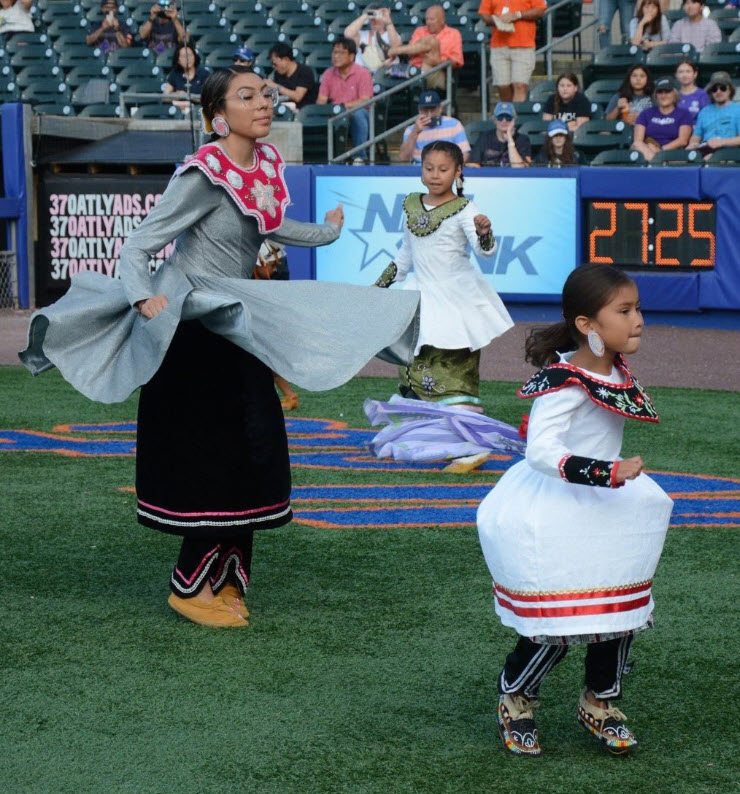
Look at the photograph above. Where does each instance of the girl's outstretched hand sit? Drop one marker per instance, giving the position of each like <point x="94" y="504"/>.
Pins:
<point x="151" y="307"/>
<point x="629" y="468"/>
<point x="482" y="225"/>
<point x="335" y="216"/>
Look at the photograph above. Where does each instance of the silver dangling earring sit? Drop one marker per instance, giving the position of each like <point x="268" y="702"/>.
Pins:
<point x="221" y="126"/>
<point x="459" y="183"/>
<point x="596" y="343"/>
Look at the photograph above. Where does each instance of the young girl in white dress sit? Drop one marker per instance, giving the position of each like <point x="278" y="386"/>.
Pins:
<point x="460" y="312"/>
<point x="572" y="534"/>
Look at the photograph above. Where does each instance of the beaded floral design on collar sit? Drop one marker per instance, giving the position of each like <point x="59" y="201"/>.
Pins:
<point x="423" y="222"/>
<point x="628" y="399"/>
<point x="259" y="191"/>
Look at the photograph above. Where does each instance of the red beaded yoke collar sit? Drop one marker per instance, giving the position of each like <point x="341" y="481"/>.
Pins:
<point x="259" y="191"/>
<point x="628" y="399"/>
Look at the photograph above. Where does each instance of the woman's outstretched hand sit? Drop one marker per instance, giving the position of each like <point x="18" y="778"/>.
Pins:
<point x="335" y="216"/>
<point x="151" y="307"/>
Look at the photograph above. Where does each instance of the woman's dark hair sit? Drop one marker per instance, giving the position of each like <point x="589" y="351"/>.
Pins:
<point x="213" y="93"/>
<point x="568" y="155"/>
<point x="176" y="55"/>
<point x="655" y="25"/>
<point x="585" y="292"/>
<point x="626" y="90"/>
<point x="570" y="77"/>
<point x="449" y="148"/>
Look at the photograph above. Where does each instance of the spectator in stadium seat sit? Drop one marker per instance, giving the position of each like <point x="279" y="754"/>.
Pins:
<point x="634" y="95"/>
<point x="567" y="104"/>
<point x="186" y="69"/>
<point x="690" y="96"/>
<point x="558" y="150"/>
<point x="695" y="28"/>
<point x="15" y="17"/>
<point x="163" y="30"/>
<point x="295" y="82"/>
<point x="112" y="33"/>
<point x="243" y="56"/>
<point x="649" y="28"/>
<point x="432" y="44"/>
<point x="374" y="42"/>
<point x="346" y="83"/>
<point x="502" y="146"/>
<point x="514" y="26"/>
<point x="665" y="126"/>
<point x="607" y="10"/>
<point x="718" y="124"/>
<point x="431" y="125"/>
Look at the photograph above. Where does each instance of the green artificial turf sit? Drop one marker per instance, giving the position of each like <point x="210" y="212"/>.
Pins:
<point x="371" y="661"/>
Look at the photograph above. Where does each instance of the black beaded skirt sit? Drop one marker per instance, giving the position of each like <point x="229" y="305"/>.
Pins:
<point x="212" y="451"/>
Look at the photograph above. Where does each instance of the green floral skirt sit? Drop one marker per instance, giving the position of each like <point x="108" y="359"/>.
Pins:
<point x="450" y="377"/>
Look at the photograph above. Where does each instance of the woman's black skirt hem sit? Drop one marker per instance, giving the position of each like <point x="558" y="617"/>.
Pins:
<point x="212" y="451"/>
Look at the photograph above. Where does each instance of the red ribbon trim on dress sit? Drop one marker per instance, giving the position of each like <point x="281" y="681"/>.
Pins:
<point x="573" y="611"/>
<point x="614" y="592"/>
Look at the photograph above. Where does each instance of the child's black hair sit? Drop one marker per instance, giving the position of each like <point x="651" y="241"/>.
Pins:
<point x="453" y="150"/>
<point x="586" y="290"/>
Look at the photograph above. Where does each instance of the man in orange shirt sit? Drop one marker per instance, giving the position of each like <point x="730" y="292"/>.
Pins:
<point x="514" y="24"/>
<point x="432" y="44"/>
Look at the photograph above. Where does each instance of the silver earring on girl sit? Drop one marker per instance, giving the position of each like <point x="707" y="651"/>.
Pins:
<point x="221" y="126"/>
<point x="596" y="343"/>
<point x="459" y="183"/>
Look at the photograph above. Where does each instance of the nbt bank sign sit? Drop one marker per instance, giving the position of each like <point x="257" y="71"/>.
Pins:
<point x="534" y="221"/>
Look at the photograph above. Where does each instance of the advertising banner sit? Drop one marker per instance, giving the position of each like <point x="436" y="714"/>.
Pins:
<point x="534" y="221"/>
<point x="83" y="222"/>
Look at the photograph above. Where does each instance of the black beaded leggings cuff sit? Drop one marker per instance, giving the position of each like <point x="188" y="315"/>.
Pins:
<point x="587" y="471"/>
<point x="486" y="241"/>
<point x="388" y="276"/>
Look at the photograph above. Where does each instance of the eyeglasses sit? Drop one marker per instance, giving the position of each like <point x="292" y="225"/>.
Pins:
<point x="718" y="87"/>
<point x="504" y="117"/>
<point x="252" y="101"/>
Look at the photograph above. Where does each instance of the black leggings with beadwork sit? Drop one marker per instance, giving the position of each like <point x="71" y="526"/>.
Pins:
<point x="528" y="664"/>
<point x="216" y="561"/>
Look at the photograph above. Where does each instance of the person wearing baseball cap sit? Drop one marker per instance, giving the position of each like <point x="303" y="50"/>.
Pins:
<point x="243" y="56"/>
<point x="164" y="29"/>
<point x="431" y="125"/>
<point x="558" y="150"/>
<point x="113" y="34"/>
<point x="503" y="146"/>
<point x="664" y="126"/>
<point x="718" y="124"/>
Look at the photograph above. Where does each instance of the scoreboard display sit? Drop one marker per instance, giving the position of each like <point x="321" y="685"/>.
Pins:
<point x="651" y="234"/>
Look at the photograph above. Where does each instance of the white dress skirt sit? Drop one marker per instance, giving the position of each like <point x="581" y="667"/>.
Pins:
<point x="459" y="308"/>
<point x="569" y="558"/>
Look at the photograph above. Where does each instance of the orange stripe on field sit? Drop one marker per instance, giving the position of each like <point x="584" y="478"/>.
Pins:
<point x="698" y="476"/>
<point x="312" y="522"/>
<point x="709" y="515"/>
<point x="706" y="495"/>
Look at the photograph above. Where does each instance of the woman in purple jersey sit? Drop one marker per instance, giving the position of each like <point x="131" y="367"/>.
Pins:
<point x="665" y="126"/>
